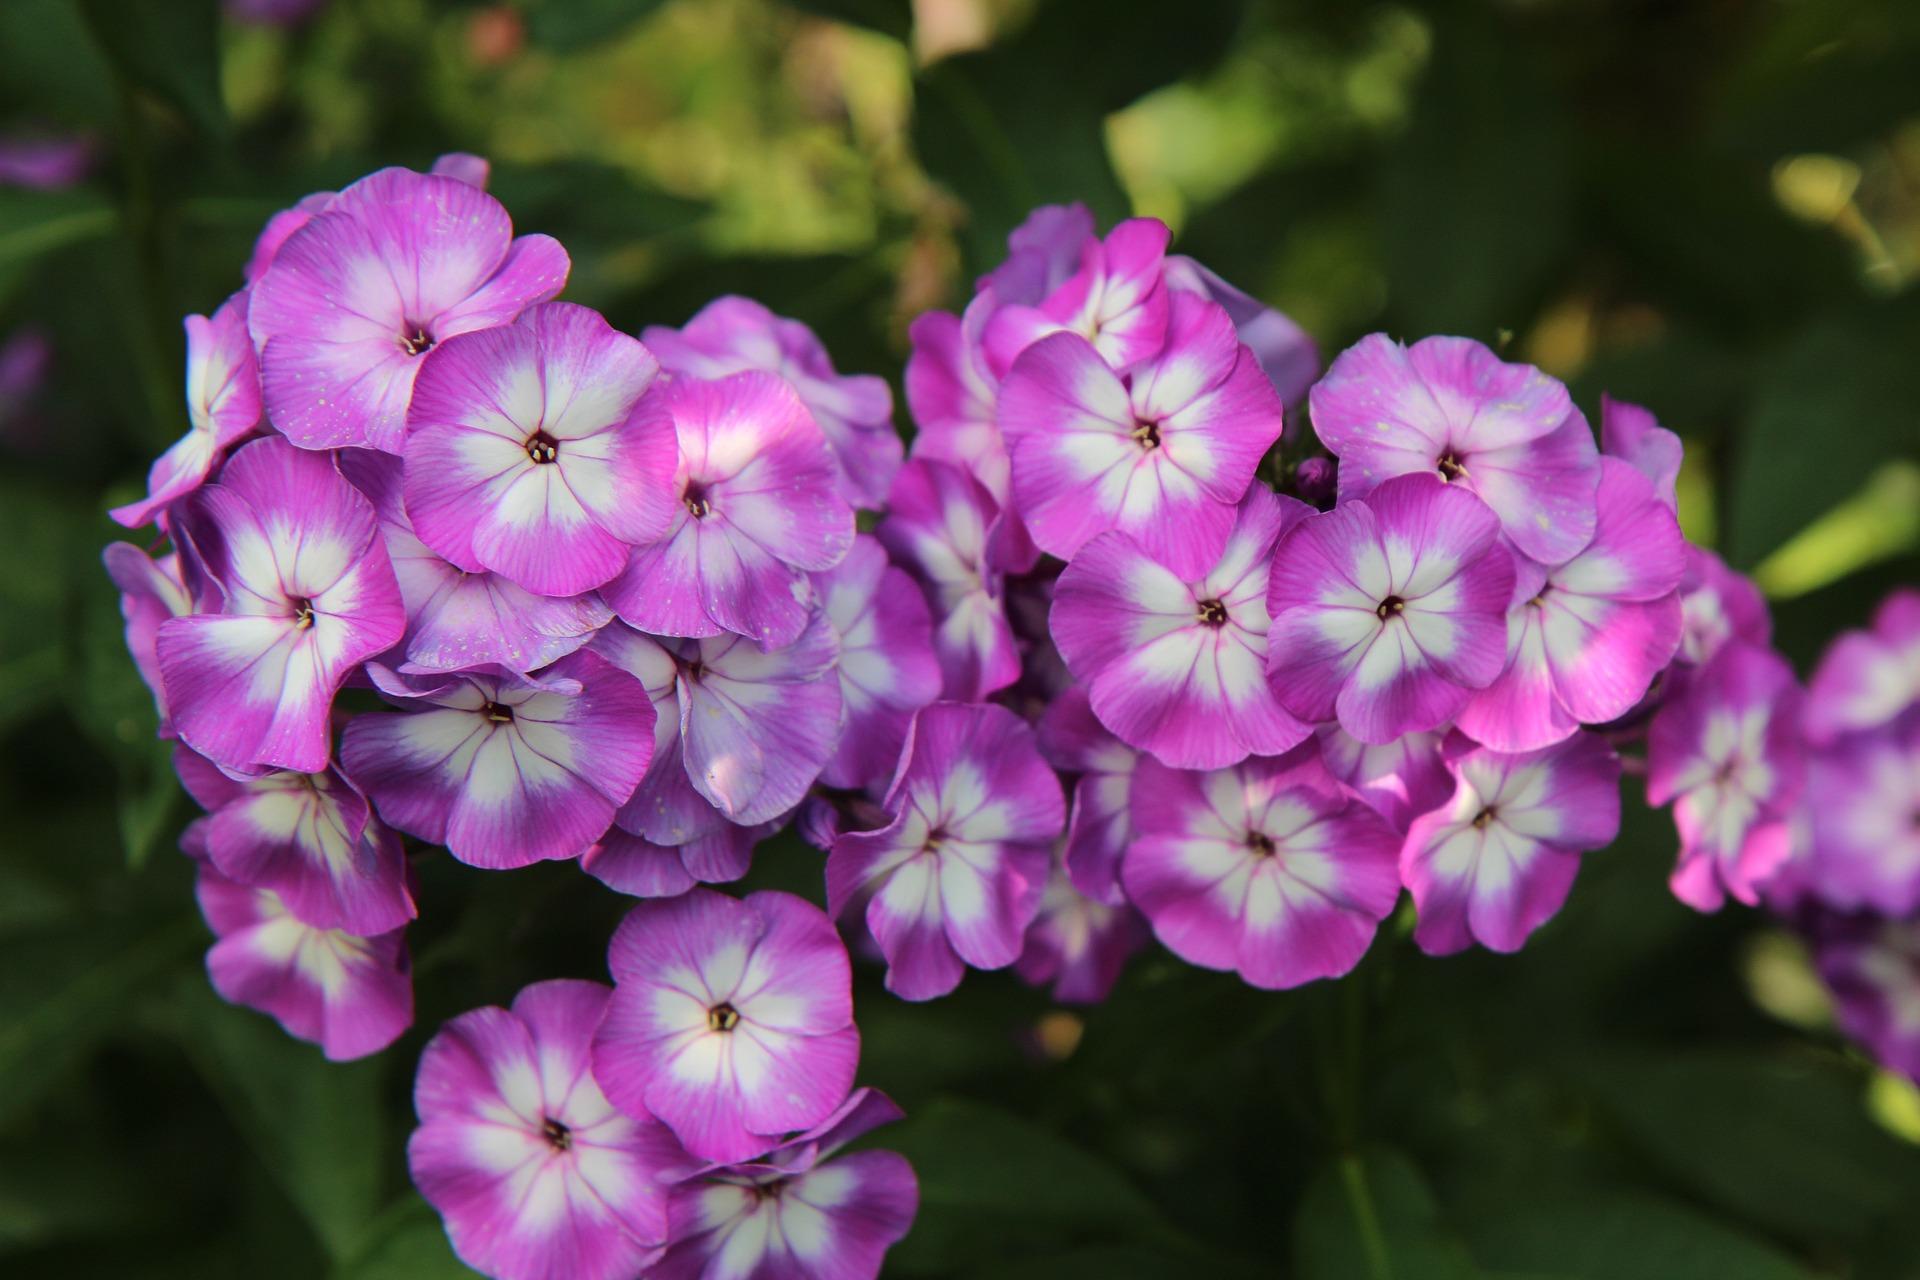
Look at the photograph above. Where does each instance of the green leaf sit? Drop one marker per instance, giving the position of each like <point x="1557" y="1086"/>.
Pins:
<point x="33" y="223"/>
<point x="170" y="48"/>
<point x="566" y="26"/>
<point x="1370" y="1216"/>
<point x="408" y="1244"/>
<point x="1620" y="1236"/>
<point x="317" y="1126"/>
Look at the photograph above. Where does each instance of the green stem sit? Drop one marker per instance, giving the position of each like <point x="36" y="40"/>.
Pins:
<point x="1366" y="1218"/>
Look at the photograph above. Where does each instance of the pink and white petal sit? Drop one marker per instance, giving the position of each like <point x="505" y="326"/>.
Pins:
<point x="798" y="979"/>
<point x="1113" y="599"/>
<point x="989" y="894"/>
<point x="635" y="865"/>
<point x="1605" y="654"/>
<point x="748" y="590"/>
<point x="1191" y="889"/>
<point x="1519" y="711"/>
<point x="535" y="269"/>
<point x="904" y="917"/>
<point x="789" y="1082"/>
<point x="1393" y="691"/>
<point x="1632" y="434"/>
<point x="1637" y="552"/>
<point x="1544" y="490"/>
<point x="244" y="691"/>
<point x="661" y="591"/>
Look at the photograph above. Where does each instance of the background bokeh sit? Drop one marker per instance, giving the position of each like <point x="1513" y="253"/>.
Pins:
<point x="1711" y="208"/>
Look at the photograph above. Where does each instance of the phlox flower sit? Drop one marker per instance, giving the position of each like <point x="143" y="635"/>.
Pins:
<point x="887" y="666"/>
<point x="1117" y="301"/>
<point x="1044" y="252"/>
<point x="1872" y="967"/>
<point x="854" y="411"/>
<point x="534" y="1172"/>
<point x="1719" y="606"/>
<point x="1727" y="753"/>
<point x="954" y="394"/>
<point x="458" y="620"/>
<point x="1178" y="666"/>
<point x="350" y="995"/>
<point x="1633" y="435"/>
<point x="152" y="590"/>
<point x="1399" y="780"/>
<point x="956" y="877"/>
<point x="1100" y="827"/>
<point x="505" y="770"/>
<point x="1449" y="406"/>
<point x="758" y="509"/>
<point x="1268" y="868"/>
<point x="1863" y="815"/>
<point x="223" y="405"/>
<point x="391" y="267"/>
<point x="942" y="526"/>
<point x="1389" y="612"/>
<point x="1285" y="352"/>
<point x="1867" y="678"/>
<point x="1587" y="637"/>
<point x="308" y="837"/>
<point x="1162" y="456"/>
<point x="801" y="1212"/>
<point x="1076" y="944"/>
<point x="528" y="453"/>
<point x="309" y="594"/>
<point x="1496" y="861"/>
<point x="731" y="1020"/>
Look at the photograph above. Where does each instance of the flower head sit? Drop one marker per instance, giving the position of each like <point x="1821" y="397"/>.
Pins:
<point x="1633" y="435"/>
<point x="731" y="1020"/>
<point x="1077" y="944"/>
<point x="1117" y="301"/>
<point x="1863" y="818"/>
<point x="1399" y="780"/>
<point x="152" y="590"/>
<point x="887" y="665"/>
<point x="1074" y="741"/>
<point x="1287" y="355"/>
<point x="534" y="1172"/>
<point x="1718" y="606"/>
<point x="1867" y="678"/>
<point x="1872" y="967"/>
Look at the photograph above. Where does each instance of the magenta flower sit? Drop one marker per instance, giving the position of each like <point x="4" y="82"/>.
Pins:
<point x="1449" y="406"/>
<point x="1584" y="646"/>
<point x="854" y="411"/>
<point x="1495" y="862"/>
<point x="956" y="877"/>
<point x="1077" y="944"/>
<point x="1163" y="456"/>
<point x="1719" y="606"/>
<point x="943" y="526"/>
<point x="758" y="510"/>
<point x="152" y="590"/>
<point x="635" y="865"/>
<point x="1727" y="754"/>
<point x="1867" y="678"/>
<point x="731" y="1020"/>
<point x="309" y="595"/>
<point x="1872" y="967"/>
<point x="506" y="770"/>
<point x="1863" y="812"/>
<point x="1633" y="435"/>
<point x="799" y="1213"/>
<point x="1178" y="667"/>
<point x="1399" y="780"/>
<point x="528" y="453"/>
<point x="954" y="395"/>
<point x="350" y="995"/>
<point x="308" y="837"/>
<point x="534" y="1172"/>
<point x="1268" y="868"/>
<point x="1287" y="355"/>
<point x="458" y="620"/>
<point x="1101" y="827"/>
<point x="1389" y="611"/>
<point x="223" y="405"/>
<point x="1044" y="252"/>
<point x="1117" y="301"/>
<point x="391" y="267"/>
<point x="887" y="666"/>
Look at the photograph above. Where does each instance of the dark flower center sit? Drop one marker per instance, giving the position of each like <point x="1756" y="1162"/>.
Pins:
<point x="1261" y="843"/>
<point x="498" y="712"/>
<point x="302" y="613"/>
<point x="1391" y="607"/>
<point x="693" y="669"/>
<point x="543" y="448"/>
<point x="414" y="338"/>
<point x="722" y="1017"/>
<point x="769" y="1190"/>
<point x="697" y="505"/>
<point x="558" y="1136"/>
<point x="1146" y="434"/>
<point x="1212" y="613"/>
<point x="1450" y="467"/>
<point x="1485" y="818"/>
<point x="935" y="838"/>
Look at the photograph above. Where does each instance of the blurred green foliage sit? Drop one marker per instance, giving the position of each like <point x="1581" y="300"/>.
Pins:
<point x="1712" y="208"/>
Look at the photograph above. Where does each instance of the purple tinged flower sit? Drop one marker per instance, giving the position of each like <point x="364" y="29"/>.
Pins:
<point x="1635" y="436"/>
<point x="887" y="666"/>
<point x="350" y="995"/>
<point x="802" y="1212"/>
<point x="1268" y="868"/>
<point x="1727" y="754"/>
<point x="1449" y="406"/>
<point x="1162" y="456"/>
<point x="1399" y="780"/>
<point x="853" y="411"/>
<point x="506" y="770"/>
<point x="534" y="1172"/>
<point x="1872" y="967"/>
<point x="757" y="511"/>
<point x="1043" y="253"/>
<point x="1117" y="301"/>
<point x="1287" y="355"/>
<point x="1719" y="606"/>
<point x="309" y="595"/>
<point x="50" y="163"/>
<point x="528" y="454"/>
<point x="464" y="166"/>
<point x="223" y="405"/>
<point x="1495" y="862"/>
<point x="1077" y="944"/>
<point x="956" y="877"/>
<point x="152" y="590"/>
<point x="1863" y="813"/>
<point x="731" y="1020"/>
<point x="1101" y="827"/>
<point x="1585" y="644"/>
<point x="1867" y="678"/>
<point x="308" y="837"/>
<point x="941" y="526"/>
<point x="394" y="265"/>
<point x="954" y="395"/>
<point x="1178" y="666"/>
<point x="1389" y="611"/>
<point x="458" y="620"/>
<point x="635" y="865"/>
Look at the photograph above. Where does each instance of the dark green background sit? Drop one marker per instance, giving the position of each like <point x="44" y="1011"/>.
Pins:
<point x="1609" y="188"/>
